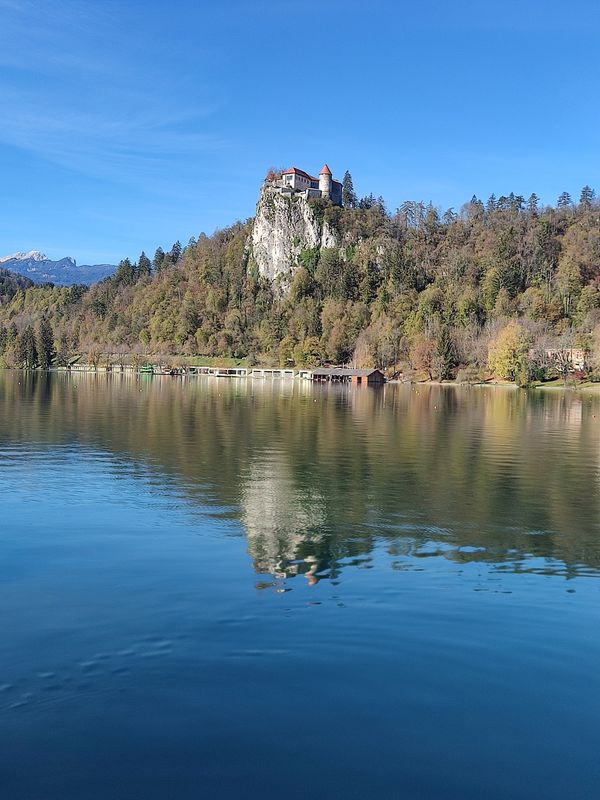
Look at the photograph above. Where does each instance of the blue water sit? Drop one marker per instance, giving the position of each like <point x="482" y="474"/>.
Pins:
<point x="220" y="589"/>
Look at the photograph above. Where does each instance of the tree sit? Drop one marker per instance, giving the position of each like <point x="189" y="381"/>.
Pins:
<point x="26" y="349"/>
<point x="63" y="354"/>
<point x="563" y="363"/>
<point x="507" y="353"/>
<point x="516" y="201"/>
<point x="587" y="197"/>
<point x="477" y="207"/>
<point x="380" y="204"/>
<point x="367" y="202"/>
<point x="45" y="344"/>
<point x="125" y="272"/>
<point x="422" y="355"/>
<point x="159" y="257"/>
<point x="444" y="359"/>
<point x="349" y="198"/>
<point x="144" y="267"/>
<point x="286" y="351"/>
<point x="594" y="359"/>
<point x="568" y="280"/>
<point x="308" y="352"/>
<point x="175" y="252"/>
<point x="450" y="216"/>
<point x="589" y="299"/>
<point x="408" y="212"/>
<point x="533" y="203"/>
<point x="564" y="200"/>
<point x="98" y="307"/>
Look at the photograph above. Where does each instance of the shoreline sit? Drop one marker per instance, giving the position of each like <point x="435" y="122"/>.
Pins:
<point x="550" y="386"/>
<point x="177" y="372"/>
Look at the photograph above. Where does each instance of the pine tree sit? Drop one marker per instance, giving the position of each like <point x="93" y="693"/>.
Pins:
<point x="144" y="266"/>
<point x="407" y="210"/>
<point x="348" y="194"/>
<point x="532" y="203"/>
<point x="45" y="344"/>
<point x="26" y="349"/>
<point x="587" y="197"/>
<point x="449" y="217"/>
<point x="159" y="257"/>
<point x="63" y="354"/>
<point x="564" y="201"/>
<point x="432" y="219"/>
<point x="445" y="359"/>
<point x="491" y="204"/>
<point x="175" y="252"/>
<point x="125" y="272"/>
<point x="477" y="207"/>
<point x="367" y="202"/>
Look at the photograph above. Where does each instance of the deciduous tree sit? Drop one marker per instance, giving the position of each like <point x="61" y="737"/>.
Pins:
<point x="508" y="351"/>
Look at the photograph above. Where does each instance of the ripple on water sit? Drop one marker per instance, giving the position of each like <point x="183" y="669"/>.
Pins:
<point x="91" y="675"/>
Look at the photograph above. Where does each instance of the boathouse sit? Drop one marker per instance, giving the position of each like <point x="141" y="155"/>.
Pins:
<point x="358" y="377"/>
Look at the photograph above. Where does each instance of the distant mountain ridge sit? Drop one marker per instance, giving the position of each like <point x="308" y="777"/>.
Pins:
<point x="39" y="268"/>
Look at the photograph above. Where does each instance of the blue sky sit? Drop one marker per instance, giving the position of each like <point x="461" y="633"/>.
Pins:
<point x="130" y="124"/>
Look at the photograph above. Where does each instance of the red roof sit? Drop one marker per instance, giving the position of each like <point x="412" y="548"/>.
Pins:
<point x="295" y="170"/>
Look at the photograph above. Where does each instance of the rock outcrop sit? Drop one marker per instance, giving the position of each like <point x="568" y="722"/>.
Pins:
<point x="285" y="225"/>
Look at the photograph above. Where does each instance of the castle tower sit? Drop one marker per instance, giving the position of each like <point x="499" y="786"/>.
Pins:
<point x="325" y="182"/>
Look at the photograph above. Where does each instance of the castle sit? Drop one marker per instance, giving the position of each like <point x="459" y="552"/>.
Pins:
<point x="296" y="180"/>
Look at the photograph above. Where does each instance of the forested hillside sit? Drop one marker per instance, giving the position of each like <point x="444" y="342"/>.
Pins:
<point x="486" y="289"/>
<point x="10" y="284"/>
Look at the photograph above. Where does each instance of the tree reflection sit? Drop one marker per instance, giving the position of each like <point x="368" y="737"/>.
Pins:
<point x="316" y="476"/>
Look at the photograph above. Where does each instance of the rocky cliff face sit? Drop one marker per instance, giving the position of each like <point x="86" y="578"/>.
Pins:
<point x="284" y="226"/>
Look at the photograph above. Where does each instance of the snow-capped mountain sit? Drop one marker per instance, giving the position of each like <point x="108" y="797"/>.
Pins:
<point x="33" y="255"/>
<point x="39" y="268"/>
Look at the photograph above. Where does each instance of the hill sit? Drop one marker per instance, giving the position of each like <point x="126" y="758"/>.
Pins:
<point x="11" y="283"/>
<point x="494" y="287"/>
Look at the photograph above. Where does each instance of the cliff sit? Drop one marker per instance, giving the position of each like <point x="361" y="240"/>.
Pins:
<point x="283" y="227"/>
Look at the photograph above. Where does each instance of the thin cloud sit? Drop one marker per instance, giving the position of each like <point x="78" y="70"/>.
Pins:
<point x="137" y="148"/>
<point x="85" y="97"/>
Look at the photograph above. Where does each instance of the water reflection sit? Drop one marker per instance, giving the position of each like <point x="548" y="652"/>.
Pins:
<point x="316" y="476"/>
<point x="283" y="525"/>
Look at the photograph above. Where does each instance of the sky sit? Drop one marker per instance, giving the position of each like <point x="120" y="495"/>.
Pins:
<point x="129" y="124"/>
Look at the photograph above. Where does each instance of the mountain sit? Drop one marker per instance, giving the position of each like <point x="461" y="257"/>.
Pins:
<point x="41" y="269"/>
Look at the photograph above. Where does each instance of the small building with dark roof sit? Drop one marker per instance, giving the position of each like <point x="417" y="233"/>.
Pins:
<point x="358" y="377"/>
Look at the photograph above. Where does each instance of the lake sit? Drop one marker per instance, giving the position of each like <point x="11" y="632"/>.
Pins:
<point x="230" y="588"/>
